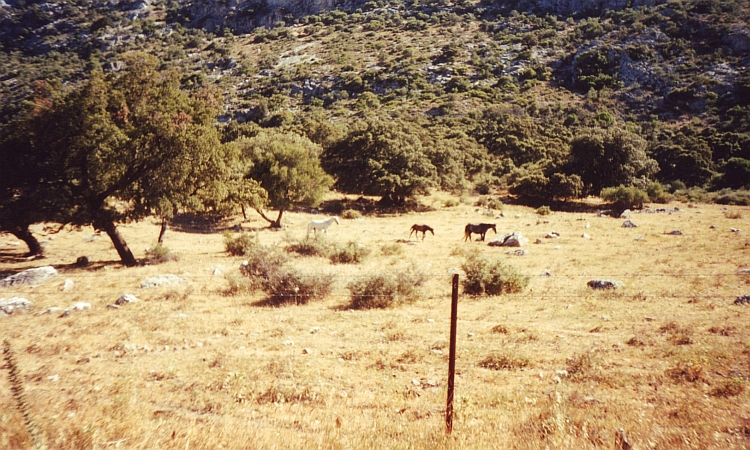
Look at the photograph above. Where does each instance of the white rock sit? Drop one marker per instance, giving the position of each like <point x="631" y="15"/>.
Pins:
<point x="31" y="277"/>
<point x="126" y="298"/>
<point x="68" y="285"/>
<point x="162" y="280"/>
<point x="14" y="304"/>
<point x="585" y="236"/>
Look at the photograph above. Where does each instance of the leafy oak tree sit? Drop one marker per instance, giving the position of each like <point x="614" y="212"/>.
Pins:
<point x="287" y="167"/>
<point x="381" y="157"/>
<point x="118" y="149"/>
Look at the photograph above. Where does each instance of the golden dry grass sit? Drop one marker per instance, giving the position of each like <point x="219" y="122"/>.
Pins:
<point x="666" y="358"/>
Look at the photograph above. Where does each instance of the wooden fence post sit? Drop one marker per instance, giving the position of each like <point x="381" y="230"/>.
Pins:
<point x="452" y="357"/>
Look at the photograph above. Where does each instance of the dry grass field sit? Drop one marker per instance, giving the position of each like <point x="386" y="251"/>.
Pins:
<point x="666" y="358"/>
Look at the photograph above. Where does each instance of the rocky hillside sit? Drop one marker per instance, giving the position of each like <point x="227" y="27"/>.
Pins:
<point x="674" y="71"/>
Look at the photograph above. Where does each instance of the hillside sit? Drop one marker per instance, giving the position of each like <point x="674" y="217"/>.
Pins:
<point x="518" y="78"/>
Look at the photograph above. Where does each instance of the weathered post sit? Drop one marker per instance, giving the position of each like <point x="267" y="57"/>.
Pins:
<point x="452" y="357"/>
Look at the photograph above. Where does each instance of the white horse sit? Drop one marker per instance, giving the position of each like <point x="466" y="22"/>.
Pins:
<point x="316" y="225"/>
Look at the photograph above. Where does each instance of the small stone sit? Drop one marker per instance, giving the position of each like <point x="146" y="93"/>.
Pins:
<point x="629" y="224"/>
<point x="306" y="351"/>
<point x="605" y="284"/>
<point x="735" y="230"/>
<point x="126" y="298"/>
<point x="437" y="352"/>
<point x="217" y="271"/>
<point x="415" y="382"/>
<point x="605" y="318"/>
<point x="314" y="330"/>
<point x="82" y="261"/>
<point x="288" y="343"/>
<point x="585" y="236"/>
<point x="744" y="271"/>
<point x="111" y="306"/>
<point x="54" y="378"/>
<point x="430" y="320"/>
<point x="546" y="273"/>
<point x="471" y="335"/>
<point x="199" y="344"/>
<point x="675" y="233"/>
<point x="162" y="280"/>
<point x="68" y="285"/>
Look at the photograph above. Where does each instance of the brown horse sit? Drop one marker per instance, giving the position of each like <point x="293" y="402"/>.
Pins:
<point x="423" y="228"/>
<point x="478" y="228"/>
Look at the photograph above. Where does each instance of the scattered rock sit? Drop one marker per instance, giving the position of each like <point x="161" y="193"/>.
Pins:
<point x="111" y="306"/>
<point x="744" y="271"/>
<point x="430" y="320"/>
<point x="515" y="239"/>
<point x="625" y="214"/>
<point x="126" y="298"/>
<point x="605" y="284"/>
<point x="288" y="343"/>
<point x="437" y="352"/>
<point x="519" y="252"/>
<point x="314" y="330"/>
<point x="743" y="300"/>
<point x="68" y="285"/>
<point x="80" y="306"/>
<point x="92" y="238"/>
<point x="31" y="277"/>
<point x="13" y="304"/>
<point x="552" y="235"/>
<point x="675" y="233"/>
<point x="585" y="236"/>
<point x="546" y="273"/>
<point x="217" y="271"/>
<point x="587" y="225"/>
<point x="162" y="280"/>
<point x="471" y="335"/>
<point x="82" y="261"/>
<point x="639" y="238"/>
<point x="713" y="227"/>
<point x="735" y="230"/>
<point x="629" y="224"/>
<point x="539" y="241"/>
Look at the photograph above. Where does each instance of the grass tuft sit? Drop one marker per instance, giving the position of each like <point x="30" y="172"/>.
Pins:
<point x="504" y="361"/>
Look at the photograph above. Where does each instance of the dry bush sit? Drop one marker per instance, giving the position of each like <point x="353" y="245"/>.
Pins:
<point x="239" y="245"/>
<point x="635" y="341"/>
<point x="384" y="290"/>
<point x="678" y="335"/>
<point x="491" y="277"/>
<point x="261" y="262"/>
<point x="158" y="253"/>
<point x="733" y="214"/>
<point x="504" y="361"/>
<point x="392" y="249"/>
<point x="285" y="286"/>
<point x="351" y="214"/>
<point x="729" y="388"/>
<point x="310" y="247"/>
<point x="686" y="371"/>
<point x="500" y="329"/>
<point x="580" y="366"/>
<point x="351" y="253"/>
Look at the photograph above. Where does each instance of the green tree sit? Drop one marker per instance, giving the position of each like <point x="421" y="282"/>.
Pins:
<point x="381" y="157"/>
<point x="287" y="167"/>
<point x="611" y="157"/>
<point x="117" y="149"/>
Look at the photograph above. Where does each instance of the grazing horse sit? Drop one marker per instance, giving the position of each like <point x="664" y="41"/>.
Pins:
<point x="423" y="228"/>
<point x="316" y="225"/>
<point x="480" y="229"/>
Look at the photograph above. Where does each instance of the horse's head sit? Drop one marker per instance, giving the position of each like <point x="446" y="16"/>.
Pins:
<point x="336" y="219"/>
<point x="493" y="228"/>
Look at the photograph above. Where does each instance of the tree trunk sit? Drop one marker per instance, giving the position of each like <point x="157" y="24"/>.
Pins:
<point x="121" y="246"/>
<point x="163" y="230"/>
<point x="277" y="222"/>
<point x="244" y="214"/>
<point x="23" y="233"/>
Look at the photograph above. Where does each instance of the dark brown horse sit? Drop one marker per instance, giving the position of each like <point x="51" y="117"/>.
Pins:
<point x="423" y="228"/>
<point x="478" y="228"/>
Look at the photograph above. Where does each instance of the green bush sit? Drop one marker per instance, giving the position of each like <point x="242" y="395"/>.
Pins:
<point x="159" y="254"/>
<point x="624" y="197"/>
<point x="491" y="277"/>
<point x="351" y="214"/>
<point x="239" y="245"/>
<point x="543" y="211"/>
<point x="351" y="253"/>
<point x="288" y="286"/>
<point x="656" y="193"/>
<point x="385" y="290"/>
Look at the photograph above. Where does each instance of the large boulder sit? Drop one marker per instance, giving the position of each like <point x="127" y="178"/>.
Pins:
<point x="515" y="239"/>
<point x="31" y="277"/>
<point x="13" y="304"/>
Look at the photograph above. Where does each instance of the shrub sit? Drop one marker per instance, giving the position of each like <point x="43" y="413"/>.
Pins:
<point x="239" y="245"/>
<point x="159" y="254"/>
<point x="656" y="193"/>
<point x="351" y="214"/>
<point x="491" y="278"/>
<point x="729" y="388"/>
<point x="502" y="361"/>
<point x="285" y="285"/>
<point x="385" y="290"/>
<point x="544" y="211"/>
<point x="391" y="249"/>
<point x="624" y="197"/>
<point x="352" y="253"/>
<point x="310" y="247"/>
<point x="261" y="263"/>
<point x="451" y="202"/>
